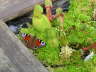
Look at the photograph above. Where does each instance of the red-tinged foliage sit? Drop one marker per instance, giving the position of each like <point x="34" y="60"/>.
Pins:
<point x="92" y="46"/>
<point x="48" y="12"/>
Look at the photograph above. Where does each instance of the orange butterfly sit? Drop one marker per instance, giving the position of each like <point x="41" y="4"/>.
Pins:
<point x="32" y="41"/>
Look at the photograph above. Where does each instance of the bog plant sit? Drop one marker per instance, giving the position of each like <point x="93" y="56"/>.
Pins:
<point x="40" y="21"/>
<point x="48" y="6"/>
<point x="42" y="29"/>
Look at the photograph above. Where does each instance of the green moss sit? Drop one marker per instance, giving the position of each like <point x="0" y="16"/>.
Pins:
<point x="78" y="28"/>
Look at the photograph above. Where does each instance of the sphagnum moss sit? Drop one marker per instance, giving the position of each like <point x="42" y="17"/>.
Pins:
<point x="76" y="26"/>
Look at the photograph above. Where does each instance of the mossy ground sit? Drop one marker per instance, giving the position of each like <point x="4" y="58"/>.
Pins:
<point x="80" y="16"/>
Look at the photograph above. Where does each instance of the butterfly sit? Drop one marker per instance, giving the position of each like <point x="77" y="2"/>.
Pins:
<point x="32" y="42"/>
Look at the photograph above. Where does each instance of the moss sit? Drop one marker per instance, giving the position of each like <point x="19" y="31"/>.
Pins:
<point x="78" y="28"/>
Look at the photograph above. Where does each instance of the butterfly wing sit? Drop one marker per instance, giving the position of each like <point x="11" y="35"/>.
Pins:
<point x="29" y="41"/>
<point x="38" y="43"/>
